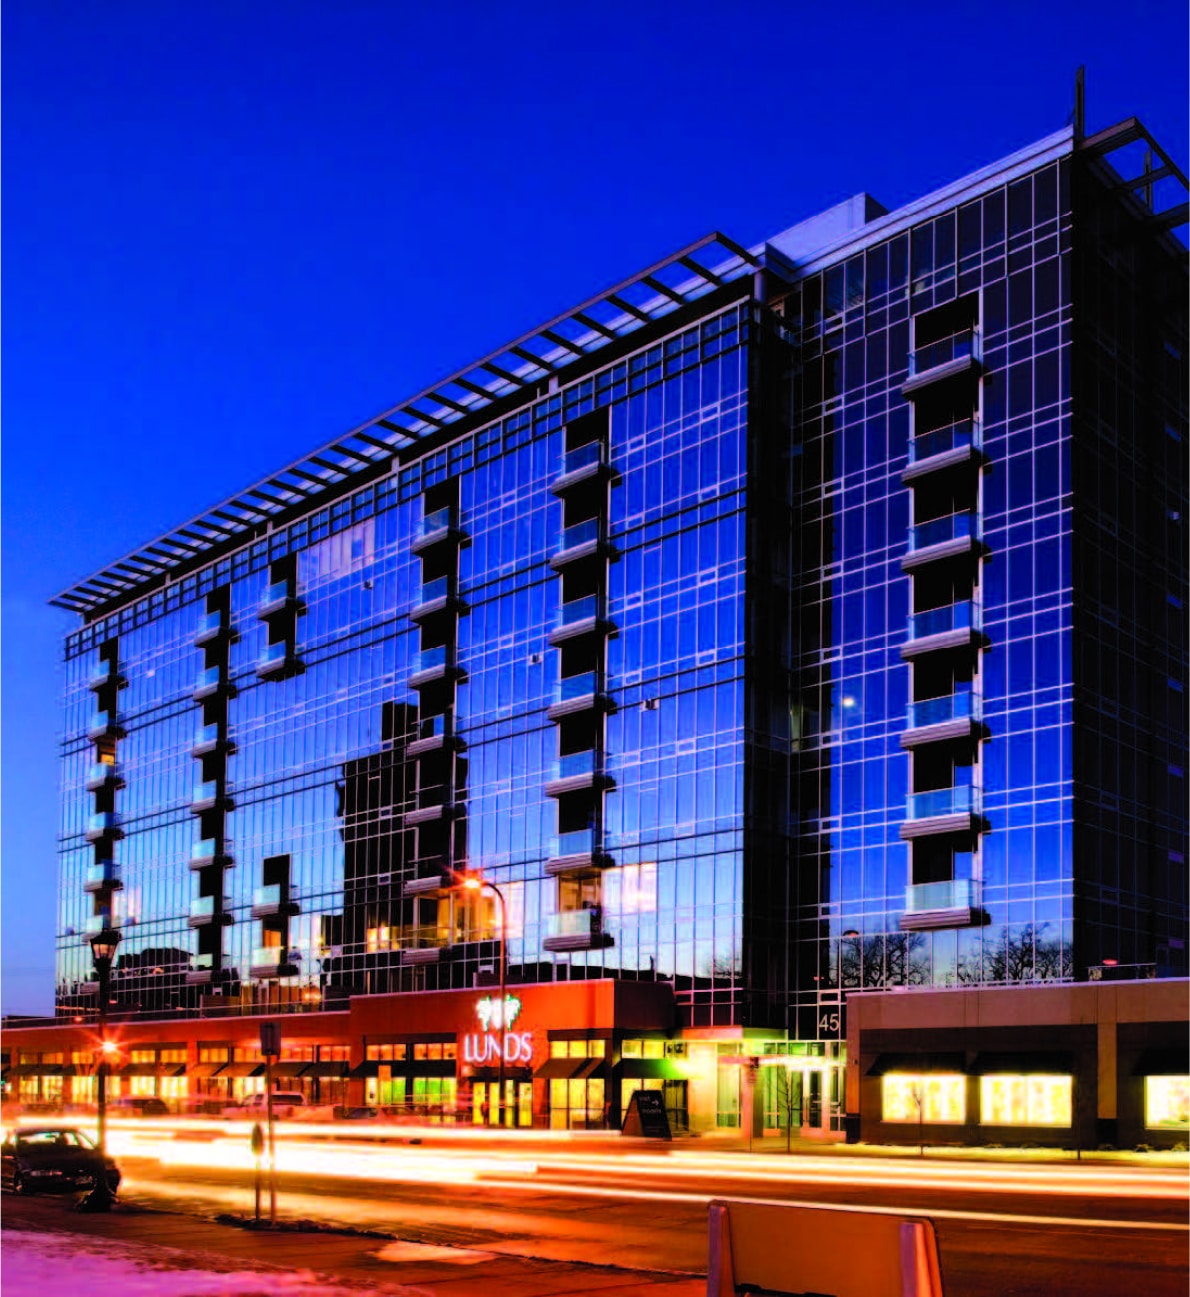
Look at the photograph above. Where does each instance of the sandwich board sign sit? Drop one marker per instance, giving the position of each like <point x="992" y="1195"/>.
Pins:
<point x="646" y="1115"/>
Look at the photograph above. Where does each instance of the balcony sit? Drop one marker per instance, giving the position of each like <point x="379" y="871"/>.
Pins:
<point x="273" y="898"/>
<point x="104" y="774"/>
<point x="952" y="904"/>
<point x="207" y="739"/>
<point x="210" y="681"/>
<point x="942" y="448"/>
<point x="583" y="464"/>
<point x="202" y="970"/>
<point x="104" y="824"/>
<point x="103" y="874"/>
<point x="99" y="923"/>
<point x="105" y="725"/>
<point x="582" y="542"/>
<point x="434" y="734"/>
<point x="278" y="598"/>
<point x="581" y="617"/>
<point x="436" y="666"/>
<point x="580" y="693"/>
<point x="205" y="853"/>
<point x="422" y="945"/>
<point x="273" y="961"/>
<point x="438" y="596"/>
<point x="435" y="802"/>
<point x="957" y="535"/>
<point x="577" y="930"/>
<point x="438" y="528"/>
<point x="933" y="720"/>
<point x="938" y="362"/>
<point x="207" y="796"/>
<point x="106" y="673"/>
<point x="576" y="852"/>
<point x="211" y="625"/>
<point x="579" y="772"/>
<point x="942" y="810"/>
<point x="953" y="626"/>
<point x="205" y="910"/>
<point x="277" y="660"/>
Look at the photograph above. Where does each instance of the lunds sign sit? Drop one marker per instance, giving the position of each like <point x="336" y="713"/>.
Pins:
<point x="496" y="1040"/>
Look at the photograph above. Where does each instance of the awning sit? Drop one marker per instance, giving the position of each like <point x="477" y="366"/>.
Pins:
<point x="290" y="1069"/>
<point x="240" y="1069"/>
<point x="326" y="1070"/>
<point x="648" y="1069"/>
<point x="203" y="1070"/>
<point x="152" y="1069"/>
<point x="1174" y="1061"/>
<point x="885" y="1063"/>
<point x="406" y="1067"/>
<point x="569" y="1069"/>
<point x="43" y="1069"/>
<point x="1024" y="1064"/>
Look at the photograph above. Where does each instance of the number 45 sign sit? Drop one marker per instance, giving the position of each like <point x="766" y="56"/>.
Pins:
<point x="819" y="1022"/>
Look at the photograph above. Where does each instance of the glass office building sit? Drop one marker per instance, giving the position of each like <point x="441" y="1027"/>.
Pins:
<point x="790" y="621"/>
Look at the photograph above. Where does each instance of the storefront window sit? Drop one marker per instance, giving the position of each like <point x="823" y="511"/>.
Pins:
<point x="933" y="1097"/>
<point x="1006" y="1100"/>
<point x="577" y="1105"/>
<point x="1167" y="1102"/>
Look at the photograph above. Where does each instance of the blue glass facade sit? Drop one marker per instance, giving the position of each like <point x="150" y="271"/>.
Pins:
<point x="825" y="635"/>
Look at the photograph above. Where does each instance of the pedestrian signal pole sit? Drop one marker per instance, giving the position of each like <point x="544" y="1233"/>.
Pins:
<point x="270" y="1047"/>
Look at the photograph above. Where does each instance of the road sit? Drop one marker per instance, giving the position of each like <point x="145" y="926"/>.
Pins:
<point x="1003" y="1228"/>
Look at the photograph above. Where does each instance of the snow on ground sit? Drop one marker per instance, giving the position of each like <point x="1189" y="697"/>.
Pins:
<point x="53" y="1264"/>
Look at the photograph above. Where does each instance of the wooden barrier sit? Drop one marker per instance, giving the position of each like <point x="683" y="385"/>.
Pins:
<point x="820" y="1250"/>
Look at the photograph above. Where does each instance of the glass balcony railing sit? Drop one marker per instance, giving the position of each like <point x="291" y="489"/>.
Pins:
<point x="432" y="591"/>
<point x="97" y="923"/>
<point x="210" y="624"/>
<point x="582" y="533"/>
<point x="203" y="963"/>
<point x="205" y="794"/>
<point x="955" y="436"/>
<point x="577" y="923"/>
<point x="104" y="774"/>
<point x="570" y="687"/>
<point x="439" y="520"/>
<point x="577" y="764"/>
<point x="102" y="873"/>
<point x="207" y="680"/>
<point x="276" y="595"/>
<point x="959" y="616"/>
<point x="432" y="658"/>
<point x="955" y="894"/>
<point x="272" y="894"/>
<point x="955" y="526"/>
<point x="103" y="724"/>
<point x="205" y="850"/>
<point x="944" y="801"/>
<point x="202" y="907"/>
<point x="275" y="654"/>
<point x="105" y="673"/>
<point x="933" y="354"/>
<point x="963" y="705"/>
<point x="578" y="842"/>
<point x="103" y="822"/>
<point x="270" y="957"/>
<point x="206" y="737"/>
<point x="574" y="461"/>
<point x="578" y="610"/>
<point x="435" y="727"/>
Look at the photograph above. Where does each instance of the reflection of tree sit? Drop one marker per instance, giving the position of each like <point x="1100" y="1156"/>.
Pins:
<point x="1023" y="954"/>
<point x="788" y="1096"/>
<point x="887" y="959"/>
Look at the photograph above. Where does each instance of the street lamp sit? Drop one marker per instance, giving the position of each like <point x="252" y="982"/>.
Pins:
<point x="103" y="951"/>
<point x="476" y="883"/>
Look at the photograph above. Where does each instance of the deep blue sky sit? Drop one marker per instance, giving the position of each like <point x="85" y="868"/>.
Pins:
<point x="234" y="230"/>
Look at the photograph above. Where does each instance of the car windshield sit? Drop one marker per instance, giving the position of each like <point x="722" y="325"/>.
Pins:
<point x="53" y="1139"/>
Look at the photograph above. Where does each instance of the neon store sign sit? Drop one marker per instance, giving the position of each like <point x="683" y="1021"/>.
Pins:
<point x="496" y="1039"/>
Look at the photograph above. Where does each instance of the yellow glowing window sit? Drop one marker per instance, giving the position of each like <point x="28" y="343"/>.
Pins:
<point x="1167" y="1102"/>
<point x="1006" y="1100"/>
<point x="930" y="1097"/>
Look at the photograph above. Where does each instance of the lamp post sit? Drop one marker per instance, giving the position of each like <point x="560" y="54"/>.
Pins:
<point x="103" y="950"/>
<point x="476" y="883"/>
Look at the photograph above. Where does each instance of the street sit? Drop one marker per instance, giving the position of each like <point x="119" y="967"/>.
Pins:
<point x="1003" y="1227"/>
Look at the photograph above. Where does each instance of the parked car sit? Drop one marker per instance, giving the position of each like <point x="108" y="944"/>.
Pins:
<point x="53" y="1159"/>
<point x="147" y="1106"/>
<point x="284" y="1103"/>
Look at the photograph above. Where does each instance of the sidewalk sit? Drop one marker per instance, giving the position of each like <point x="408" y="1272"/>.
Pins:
<point x="155" y="1241"/>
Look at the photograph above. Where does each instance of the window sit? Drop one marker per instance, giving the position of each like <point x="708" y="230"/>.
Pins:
<point x="1167" y="1102"/>
<point x="937" y="1097"/>
<point x="1006" y="1100"/>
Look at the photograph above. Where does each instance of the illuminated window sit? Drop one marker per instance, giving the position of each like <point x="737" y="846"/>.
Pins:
<point x="1167" y="1102"/>
<point x="933" y="1097"/>
<point x="1006" y="1100"/>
